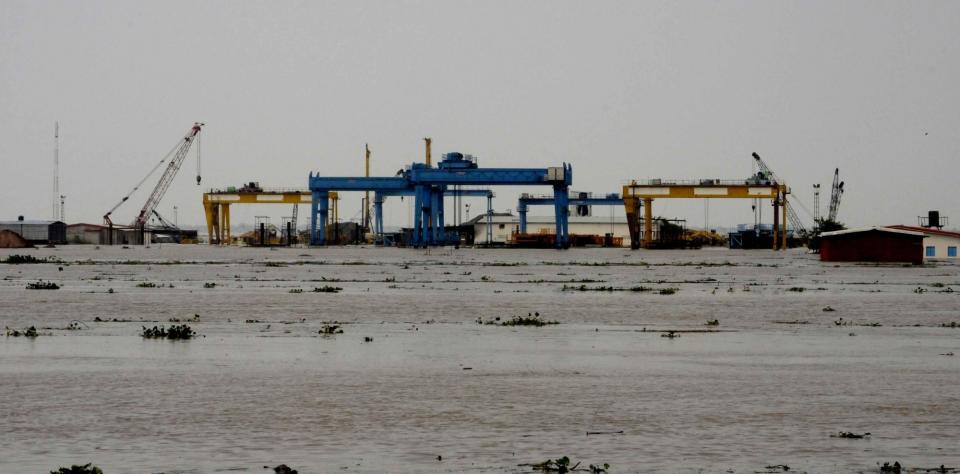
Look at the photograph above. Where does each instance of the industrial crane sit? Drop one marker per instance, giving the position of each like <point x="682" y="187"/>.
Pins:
<point x="795" y="221"/>
<point x="178" y="153"/>
<point x="836" y="192"/>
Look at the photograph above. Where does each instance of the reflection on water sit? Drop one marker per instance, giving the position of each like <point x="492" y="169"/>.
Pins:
<point x="770" y="388"/>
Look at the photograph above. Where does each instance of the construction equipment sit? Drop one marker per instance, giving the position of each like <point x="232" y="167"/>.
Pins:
<point x="836" y="192"/>
<point x="217" y="202"/>
<point x="792" y="216"/>
<point x="178" y="153"/>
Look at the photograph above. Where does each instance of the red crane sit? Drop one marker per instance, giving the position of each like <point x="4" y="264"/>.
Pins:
<point x="179" y="154"/>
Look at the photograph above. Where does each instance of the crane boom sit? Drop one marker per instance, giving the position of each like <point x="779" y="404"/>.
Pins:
<point x="795" y="221"/>
<point x="836" y="192"/>
<point x="179" y="152"/>
<point x="167" y="177"/>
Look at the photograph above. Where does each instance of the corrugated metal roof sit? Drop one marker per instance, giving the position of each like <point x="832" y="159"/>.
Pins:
<point x="870" y="229"/>
<point x="926" y="230"/>
<point x="29" y="222"/>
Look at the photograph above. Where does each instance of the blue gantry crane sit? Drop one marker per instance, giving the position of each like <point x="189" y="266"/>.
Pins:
<point x="577" y="199"/>
<point x="380" y="196"/>
<point x="429" y="184"/>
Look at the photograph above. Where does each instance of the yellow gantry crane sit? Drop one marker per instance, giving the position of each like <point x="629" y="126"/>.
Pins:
<point x="216" y="206"/>
<point x="758" y="186"/>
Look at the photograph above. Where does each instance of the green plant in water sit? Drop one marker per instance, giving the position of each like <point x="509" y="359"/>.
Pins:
<point x="210" y="285"/>
<point x="22" y="259"/>
<point x="330" y="329"/>
<point x="43" y="285"/>
<point x="328" y="289"/>
<point x="88" y="468"/>
<point x="29" y="332"/>
<point x="178" y="331"/>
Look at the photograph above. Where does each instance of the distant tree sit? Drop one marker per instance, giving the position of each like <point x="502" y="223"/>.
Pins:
<point x="824" y="225"/>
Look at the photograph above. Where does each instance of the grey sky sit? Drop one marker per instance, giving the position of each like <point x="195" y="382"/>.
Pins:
<point x="619" y="89"/>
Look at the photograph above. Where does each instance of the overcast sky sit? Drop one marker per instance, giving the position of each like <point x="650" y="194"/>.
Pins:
<point x="621" y="90"/>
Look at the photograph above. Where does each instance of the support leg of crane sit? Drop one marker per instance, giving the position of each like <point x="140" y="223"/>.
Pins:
<point x="522" y="212"/>
<point x="226" y="224"/>
<point x="378" y="218"/>
<point x="416" y="235"/>
<point x="647" y="223"/>
<point x="561" y="197"/>
<point x="436" y="205"/>
<point x="313" y="218"/>
<point x="630" y="205"/>
<point x="776" y="223"/>
<point x="783" y="243"/>
<point x="489" y="220"/>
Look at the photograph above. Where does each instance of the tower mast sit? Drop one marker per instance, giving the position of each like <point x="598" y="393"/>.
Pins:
<point x="56" y="170"/>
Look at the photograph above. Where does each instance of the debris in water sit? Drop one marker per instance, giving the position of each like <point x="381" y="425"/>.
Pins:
<point x="828" y="309"/>
<point x="850" y="435"/>
<point x="328" y="289"/>
<point x="714" y="322"/>
<point x="778" y="467"/>
<point x="209" y="285"/>
<point x="367" y="339"/>
<point x="670" y="334"/>
<point x="603" y="432"/>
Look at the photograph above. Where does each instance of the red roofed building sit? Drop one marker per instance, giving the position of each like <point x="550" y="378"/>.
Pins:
<point x="872" y="244"/>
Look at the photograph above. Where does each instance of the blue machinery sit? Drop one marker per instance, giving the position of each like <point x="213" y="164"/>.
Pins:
<point x="379" y="196"/>
<point x="581" y="199"/>
<point x="428" y="186"/>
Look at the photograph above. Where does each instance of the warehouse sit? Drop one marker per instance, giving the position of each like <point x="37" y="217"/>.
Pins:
<point x="37" y="231"/>
<point x="872" y="244"/>
<point x="505" y="224"/>
<point x="939" y="244"/>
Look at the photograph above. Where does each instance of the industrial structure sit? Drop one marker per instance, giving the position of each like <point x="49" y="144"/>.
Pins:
<point x="455" y="192"/>
<point x="429" y="184"/>
<point x="217" y="202"/>
<point x="37" y="232"/>
<point x="759" y="186"/>
<point x="173" y="159"/>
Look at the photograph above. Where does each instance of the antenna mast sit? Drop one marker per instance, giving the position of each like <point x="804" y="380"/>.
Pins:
<point x="56" y="170"/>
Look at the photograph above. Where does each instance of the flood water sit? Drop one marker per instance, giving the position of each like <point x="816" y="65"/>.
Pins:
<point x="261" y="387"/>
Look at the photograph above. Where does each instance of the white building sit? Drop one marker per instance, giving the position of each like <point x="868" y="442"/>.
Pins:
<point x="938" y="244"/>
<point x="504" y="225"/>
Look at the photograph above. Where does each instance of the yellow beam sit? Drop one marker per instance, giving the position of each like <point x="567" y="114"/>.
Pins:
<point x="216" y="207"/>
<point x="691" y="191"/>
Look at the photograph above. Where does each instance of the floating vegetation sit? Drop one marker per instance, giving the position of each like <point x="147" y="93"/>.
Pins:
<point x="43" y="285"/>
<point x="296" y="290"/>
<point x="713" y="322"/>
<point x="850" y="435"/>
<point x="634" y="289"/>
<point x="146" y="284"/>
<point x="88" y="468"/>
<point x="887" y="468"/>
<point x="209" y="285"/>
<point x="563" y="466"/>
<point x="828" y="309"/>
<point x="330" y="329"/>
<point x="29" y="332"/>
<point x="282" y="469"/>
<point x="367" y="339"/>
<point x="797" y="289"/>
<point x="26" y="259"/>
<point x="75" y="326"/>
<point x="531" y="319"/>
<point x="670" y="335"/>
<point x="179" y="331"/>
<point x="328" y="289"/>
<point x="951" y="324"/>
<point x="919" y="290"/>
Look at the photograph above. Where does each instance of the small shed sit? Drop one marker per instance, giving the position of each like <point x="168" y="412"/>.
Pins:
<point x="38" y="231"/>
<point x="872" y="244"/>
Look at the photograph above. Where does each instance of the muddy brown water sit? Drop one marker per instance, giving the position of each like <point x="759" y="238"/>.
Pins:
<point x="768" y="389"/>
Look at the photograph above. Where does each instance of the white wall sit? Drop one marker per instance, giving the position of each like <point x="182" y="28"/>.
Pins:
<point x="940" y="242"/>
